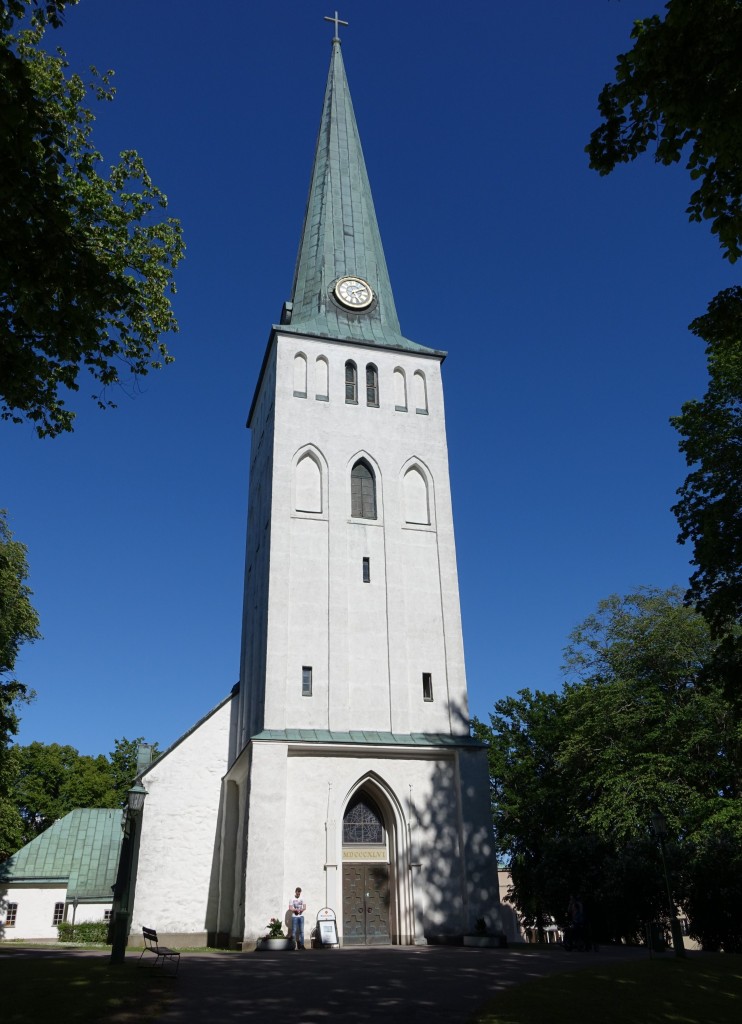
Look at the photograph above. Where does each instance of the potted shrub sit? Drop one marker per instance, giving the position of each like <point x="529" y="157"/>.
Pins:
<point x="275" y="938"/>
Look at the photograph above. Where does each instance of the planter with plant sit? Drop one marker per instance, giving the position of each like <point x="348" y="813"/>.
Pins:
<point x="275" y="938"/>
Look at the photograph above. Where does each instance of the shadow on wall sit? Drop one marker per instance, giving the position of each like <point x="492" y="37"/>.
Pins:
<point x="453" y="902"/>
<point x="219" y="923"/>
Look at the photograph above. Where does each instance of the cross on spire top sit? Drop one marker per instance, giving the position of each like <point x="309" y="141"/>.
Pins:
<point x="338" y="22"/>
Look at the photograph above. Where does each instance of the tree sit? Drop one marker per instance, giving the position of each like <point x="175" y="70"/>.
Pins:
<point x="709" y="509"/>
<point x="52" y="780"/>
<point x="641" y="725"/>
<point x="680" y="90"/>
<point x="86" y="266"/>
<point x="19" y="624"/>
<point x="123" y="761"/>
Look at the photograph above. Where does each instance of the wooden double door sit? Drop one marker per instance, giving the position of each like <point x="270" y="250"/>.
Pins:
<point x="366" y="901"/>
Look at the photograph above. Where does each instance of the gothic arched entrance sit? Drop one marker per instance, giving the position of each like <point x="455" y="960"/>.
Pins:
<point x="367" y="892"/>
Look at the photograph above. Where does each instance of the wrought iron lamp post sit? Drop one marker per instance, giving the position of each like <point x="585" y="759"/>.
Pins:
<point x="123" y="887"/>
<point x="659" y="827"/>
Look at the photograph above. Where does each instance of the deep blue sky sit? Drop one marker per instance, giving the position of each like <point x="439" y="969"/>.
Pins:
<point x="562" y="298"/>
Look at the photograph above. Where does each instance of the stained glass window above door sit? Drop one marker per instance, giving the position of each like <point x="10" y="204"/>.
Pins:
<point x="362" y="822"/>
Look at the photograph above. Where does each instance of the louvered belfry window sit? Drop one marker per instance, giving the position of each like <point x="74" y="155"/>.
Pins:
<point x="351" y="382"/>
<point x="362" y="823"/>
<point x="362" y="492"/>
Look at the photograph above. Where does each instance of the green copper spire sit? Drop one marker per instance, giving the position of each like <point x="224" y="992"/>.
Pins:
<point x="340" y="237"/>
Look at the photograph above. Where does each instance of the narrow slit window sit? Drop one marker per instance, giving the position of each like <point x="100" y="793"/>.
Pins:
<point x="306" y="681"/>
<point x="372" y="385"/>
<point x="427" y="686"/>
<point x="351" y="382"/>
<point x="366" y="570"/>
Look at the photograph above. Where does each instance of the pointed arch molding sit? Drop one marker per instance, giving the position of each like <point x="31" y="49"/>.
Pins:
<point x="397" y="824"/>
<point x="363" y="456"/>
<point x="309" y="483"/>
<point x="387" y="801"/>
<point x="417" y="507"/>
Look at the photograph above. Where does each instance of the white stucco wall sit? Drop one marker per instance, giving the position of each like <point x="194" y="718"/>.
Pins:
<point x="176" y="890"/>
<point x="298" y="795"/>
<point x="35" y="911"/>
<point x="368" y="643"/>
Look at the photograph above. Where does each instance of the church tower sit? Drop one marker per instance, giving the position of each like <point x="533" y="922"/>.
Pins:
<point x="342" y="763"/>
<point x="354" y="772"/>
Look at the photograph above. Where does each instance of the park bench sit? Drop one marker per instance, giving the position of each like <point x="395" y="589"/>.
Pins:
<point x="162" y="953"/>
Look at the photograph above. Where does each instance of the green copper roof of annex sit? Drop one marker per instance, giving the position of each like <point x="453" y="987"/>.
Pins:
<point x="82" y="849"/>
<point x="341" y="236"/>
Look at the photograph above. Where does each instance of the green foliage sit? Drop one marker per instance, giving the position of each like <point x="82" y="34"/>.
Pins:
<point x="642" y="724"/>
<point x="86" y="266"/>
<point x="275" y="929"/>
<point x="84" y="931"/>
<point x="18" y="625"/>
<point x="678" y="90"/>
<point x="709" y="509"/>
<point x="18" y="621"/>
<point x="51" y="780"/>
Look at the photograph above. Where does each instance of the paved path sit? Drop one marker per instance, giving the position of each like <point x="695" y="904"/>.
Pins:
<point x="393" y="984"/>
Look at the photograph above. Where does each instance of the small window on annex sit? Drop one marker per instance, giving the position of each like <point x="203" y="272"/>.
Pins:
<point x="362" y="823"/>
<point x="362" y="491"/>
<point x="372" y="385"/>
<point x="366" y="570"/>
<point x="58" y="913"/>
<point x="11" y="912"/>
<point x="351" y="382"/>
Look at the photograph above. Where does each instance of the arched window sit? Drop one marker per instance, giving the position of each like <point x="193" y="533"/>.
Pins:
<point x="362" y="823"/>
<point x="300" y="375"/>
<point x="372" y="385"/>
<point x="400" y="390"/>
<point x="420" y="392"/>
<point x="308" y="485"/>
<point x="321" y="379"/>
<point x="351" y="382"/>
<point x="416" y="507"/>
<point x="362" y="491"/>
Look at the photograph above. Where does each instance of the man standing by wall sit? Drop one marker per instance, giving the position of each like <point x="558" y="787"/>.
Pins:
<point x="297" y="906"/>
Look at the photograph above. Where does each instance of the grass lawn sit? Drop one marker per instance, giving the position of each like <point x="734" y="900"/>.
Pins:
<point x="704" y="989"/>
<point x="41" y="987"/>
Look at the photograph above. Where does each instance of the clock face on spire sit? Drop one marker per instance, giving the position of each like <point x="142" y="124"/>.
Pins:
<point x="353" y="292"/>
